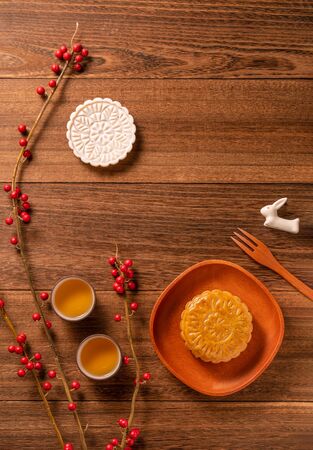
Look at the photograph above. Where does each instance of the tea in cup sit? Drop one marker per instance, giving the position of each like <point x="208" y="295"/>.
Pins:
<point x="99" y="357"/>
<point x="73" y="298"/>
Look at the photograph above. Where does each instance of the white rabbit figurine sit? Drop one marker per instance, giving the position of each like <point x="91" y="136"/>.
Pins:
<point x="274" y="221"/>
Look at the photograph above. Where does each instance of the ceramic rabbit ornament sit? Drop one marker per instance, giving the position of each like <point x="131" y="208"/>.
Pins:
<point x="274" y="221"/>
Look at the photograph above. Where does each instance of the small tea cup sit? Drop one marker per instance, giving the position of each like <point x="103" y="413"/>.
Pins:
<point x="90" y="351"/>
<point x="69" y="294"/>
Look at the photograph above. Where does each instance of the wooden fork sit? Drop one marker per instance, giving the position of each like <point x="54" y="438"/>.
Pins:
<point x="262" y="254"/>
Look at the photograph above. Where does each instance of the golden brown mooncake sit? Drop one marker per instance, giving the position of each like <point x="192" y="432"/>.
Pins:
<point x="216" y="326"/>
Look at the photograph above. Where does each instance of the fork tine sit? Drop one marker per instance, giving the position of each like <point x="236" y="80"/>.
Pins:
<point x="243" y="247"/>
<point x="250" y="236"/>
<point x="246" y="241"/>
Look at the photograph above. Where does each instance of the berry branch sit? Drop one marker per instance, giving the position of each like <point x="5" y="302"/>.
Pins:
<point x="28" y="358"/>
<point x="74" y="55"/>
<point x="124" y="280"/>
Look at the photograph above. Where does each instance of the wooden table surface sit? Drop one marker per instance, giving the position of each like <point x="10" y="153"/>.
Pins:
<point x="221" y="93"/>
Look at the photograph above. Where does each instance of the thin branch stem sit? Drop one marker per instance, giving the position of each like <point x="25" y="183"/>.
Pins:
<point x="128" y="317"/>
<point x="10" y="325"/>
<point x="24" y="258"/>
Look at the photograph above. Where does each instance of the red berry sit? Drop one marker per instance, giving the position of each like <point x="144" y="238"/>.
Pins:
<point x="112" y="261"/>
<point x="26" y="217"/>
<point x="72" y="406"/>
<point x="52" y="83"/>
<point x="132" y="285"/>
<point x="23" y="142"/>
<point x="114" y="442"/>
<point x="75" y="385"/>
<point x="120" y="289"/>
<point x="47" y="386"/>
<point x="30" y="365"/>
<point x="77" y="48"/>
<point x="37" y="356"/>
<point x="44" y="295"/>
<point x="58" y="54"/>
<point x="38" y="365"/>
<point x="56" y="68"/>
<point x="126" y="360"/>
<point x="19" y="350"/>
<point x="48" y="324"/>
<point x="24" y="360"/>
<point x="24" y="197"/>
<point x="78" y="67"/>
<point x="26" y="205"/>
<point x="52" y="374"/>
<point x="67" y="56"/>
<point x="123" y="268"/>
<point x="11" y="348"/>
<point x="130" y="441"/>
<point x="78" y="58"/>
<point x="68" y="446"/>
<point x="130" y="273"/>
<point x="114" y="272"/>
<point x="40" y="90"/>
<point x="36" y="316"/>
<point x="27" y="154"/>
<point x="134" y="306"/>
<point x="21" y="373"/>
<point x="115" y="285"/>
<point x="120" y="280"/>
<point x="21" y="338"/>
<point x="85" y="52"/>
<point x="1" y="303"/>
<point x="7" y="187"/>
<point x="117" y="317"/>
<point x="109" y="447"/>
<point x="63" y="48"/>
<point x="123" y="423"/>
<point x="128" y="262"/>
<point x="14" y="194"/>
<point x="134" y="433"/>
<point x="18" y="190"/>
<point x="22" y="128"/>
<point x="147" y="376"/>
<point x="127" y="448"/>
<point x="14" y="240"/>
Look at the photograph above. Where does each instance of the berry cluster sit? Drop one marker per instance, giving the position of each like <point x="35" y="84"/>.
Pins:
<point x="75" y="56"/>
<point x="68" y="446"/>
<point x="23" y="210"/>
<point x="28" y="363"/>
<point x="123" y="273"/>
<point x="34" y="362"/>
<point x="131" y="438"/>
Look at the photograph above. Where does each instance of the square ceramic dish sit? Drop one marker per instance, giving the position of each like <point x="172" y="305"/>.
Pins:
<point x="223" y="378"/>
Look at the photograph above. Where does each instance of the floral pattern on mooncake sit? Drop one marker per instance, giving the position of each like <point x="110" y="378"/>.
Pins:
<point x="216" y="326"/>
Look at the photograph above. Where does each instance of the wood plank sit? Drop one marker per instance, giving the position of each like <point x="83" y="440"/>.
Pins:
<point x="188" y="131"/>
<point x="294" y="360"/>
<point x="163" y="39"/>
<point x="164" y="228"/>
<point x="216" y="426"/>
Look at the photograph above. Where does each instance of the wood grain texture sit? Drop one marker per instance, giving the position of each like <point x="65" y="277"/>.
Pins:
<point x="204" y="131"/>
<point x="165" y="228"/>
<point x="164" y="38"/>
<point x="278" y="426"/>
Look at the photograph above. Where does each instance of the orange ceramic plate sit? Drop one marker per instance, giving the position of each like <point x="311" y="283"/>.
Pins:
<point x="223" y="378"/>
